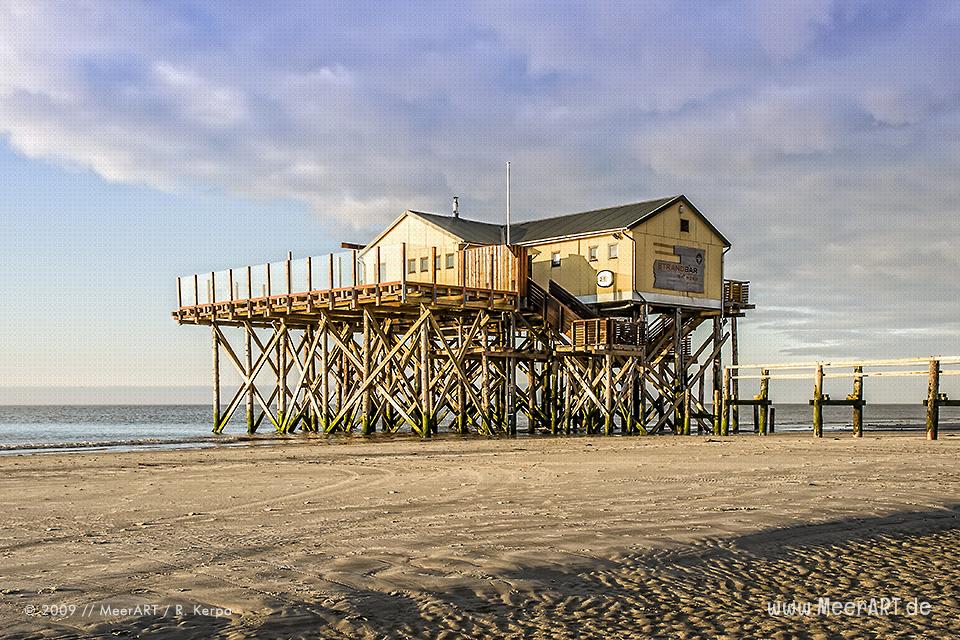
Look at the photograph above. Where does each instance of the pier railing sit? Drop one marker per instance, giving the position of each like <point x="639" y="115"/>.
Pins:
<point x="497" y="269"/>
<point x="933" y="368"/>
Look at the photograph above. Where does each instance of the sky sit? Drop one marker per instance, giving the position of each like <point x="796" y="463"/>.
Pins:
<point x="141" y="141"/>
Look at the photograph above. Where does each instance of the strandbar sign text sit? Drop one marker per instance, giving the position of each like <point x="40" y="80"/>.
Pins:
<point x="686" y="275"/>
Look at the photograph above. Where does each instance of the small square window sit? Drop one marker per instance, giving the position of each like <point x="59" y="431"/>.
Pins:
<point x="412" y="265"/>
<point x="451" y="260"/>
<point x="684" y="225"/>
<point x="613" y="251"/>
<point x="424" y="264"/>
<point x="592" y="253"/>
<point x="555" y="259"/>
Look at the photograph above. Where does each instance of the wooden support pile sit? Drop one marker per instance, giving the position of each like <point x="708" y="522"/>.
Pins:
<point x="855" y="400"/>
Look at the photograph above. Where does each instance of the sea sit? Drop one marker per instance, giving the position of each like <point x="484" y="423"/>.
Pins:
<point x="38" y="429"/>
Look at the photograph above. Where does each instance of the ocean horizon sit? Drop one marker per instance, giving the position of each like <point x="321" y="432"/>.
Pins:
<point x="25" y="428"/>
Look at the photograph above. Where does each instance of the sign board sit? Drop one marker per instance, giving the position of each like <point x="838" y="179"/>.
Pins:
<point x="686" y="275"/>
<point x="605" y="278"/>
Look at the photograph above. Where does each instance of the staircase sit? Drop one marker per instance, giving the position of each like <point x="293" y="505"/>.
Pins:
<point x="583" y="327"/>
<point x="559" y="308"/>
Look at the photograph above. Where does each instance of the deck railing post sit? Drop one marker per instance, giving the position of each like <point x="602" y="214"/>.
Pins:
<point x="403" y="272"/>
<point x="330" y="293"/>
<point x="462" y="259"/>
<point x="433" y="269"/>
<point x="491" y="277"/>
<point x="933" y="397"/>
<point x="212" y="290"/>
<point x="353" y="297"/>
<point x="376" y="273"/>
<point x="179" y="293"/>
<point x="818" y="401"/>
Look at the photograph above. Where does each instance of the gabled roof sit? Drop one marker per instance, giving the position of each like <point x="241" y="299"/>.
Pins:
<point x="471" y="231"/>
<point x="625" y="216"/>
<point x="586" y="222"/>
<point x="571" y="225"/>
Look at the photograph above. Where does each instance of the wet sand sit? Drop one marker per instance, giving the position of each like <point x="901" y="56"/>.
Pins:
<point x="690" y="537"/>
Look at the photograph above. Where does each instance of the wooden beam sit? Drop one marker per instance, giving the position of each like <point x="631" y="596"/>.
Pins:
<point x="933" y="397"/>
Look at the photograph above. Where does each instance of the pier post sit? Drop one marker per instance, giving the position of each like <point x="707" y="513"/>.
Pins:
<point x="608" y="393"/>
<point x="426" y="422"/>
<point x="463" y="423"/>
<point x="857" y="397"/>
<point x="686" y="412"/>
<point x="248" y="357"/>
<point x="282" y="379"/>
<point x="366" y="418"/>
<point x="485" y="408"/>
<point x="725" y="409"/>
<point x="735" y="383"/>
<point x="763" y="396"/>
<point x="933" y="397"/>
<point x="217" y="427"/>
<point x="325" y="372"/>
<point x="818" y="402"/>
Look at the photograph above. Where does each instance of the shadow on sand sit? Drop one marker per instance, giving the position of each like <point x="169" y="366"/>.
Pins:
<point x="720" y="588"/>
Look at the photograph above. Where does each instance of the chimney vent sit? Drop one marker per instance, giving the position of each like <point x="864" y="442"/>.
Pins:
<point x="456" y="207"/>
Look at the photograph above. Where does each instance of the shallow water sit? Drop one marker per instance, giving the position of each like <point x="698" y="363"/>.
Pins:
<point x="67" y="427"/>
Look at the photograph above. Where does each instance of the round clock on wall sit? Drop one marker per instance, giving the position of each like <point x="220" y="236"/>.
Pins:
<point x="605" y="278"/>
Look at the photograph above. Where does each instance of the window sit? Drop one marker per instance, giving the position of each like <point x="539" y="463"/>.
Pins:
<point x="592" y="253"/>
<point x="412" y="265"/>
<point x="555" y="259"/>
<point x="424" y="264"/>
<point x="451" y="260"/>
<point x="436" y="263"/>
<point x="684" y="225"/>
<point x="613" y="251"/>
<point x="383" y="270"/>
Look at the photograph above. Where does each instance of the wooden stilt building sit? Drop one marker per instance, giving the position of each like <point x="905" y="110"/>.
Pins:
<point x="583" y="323"/>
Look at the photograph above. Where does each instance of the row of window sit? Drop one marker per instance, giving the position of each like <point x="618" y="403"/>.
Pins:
<point x="593" y="254"/>
<point x="450" y="261"/>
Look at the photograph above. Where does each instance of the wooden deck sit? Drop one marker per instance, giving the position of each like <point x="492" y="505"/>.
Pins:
<point x="308" y="306"/>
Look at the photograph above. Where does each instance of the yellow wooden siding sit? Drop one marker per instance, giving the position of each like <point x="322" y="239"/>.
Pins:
<point x="419" y="237"/>
<point x="661" y="233"/>
<point x="577" y="273"/>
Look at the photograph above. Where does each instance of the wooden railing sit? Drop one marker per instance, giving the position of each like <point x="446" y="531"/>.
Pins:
<point x="857" y="370"/>
<point x="607" y="332"/>
<point x="495" y="268"/>
<point x="736" y="292"/>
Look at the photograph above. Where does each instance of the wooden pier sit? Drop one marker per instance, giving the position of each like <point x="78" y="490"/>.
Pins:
<point x="473" y="356"/>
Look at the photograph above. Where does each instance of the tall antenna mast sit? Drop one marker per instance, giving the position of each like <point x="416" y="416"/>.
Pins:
<point x="508" y="203"/>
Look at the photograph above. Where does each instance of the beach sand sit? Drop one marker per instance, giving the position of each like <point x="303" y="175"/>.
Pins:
<point x="674" y="537"/>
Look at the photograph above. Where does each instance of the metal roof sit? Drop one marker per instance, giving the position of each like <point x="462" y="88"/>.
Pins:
<point x="471" y="231"/>
<point x="559" y="227"/>
<point x="586" y="222"/>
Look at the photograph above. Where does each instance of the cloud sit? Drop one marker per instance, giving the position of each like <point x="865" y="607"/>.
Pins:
<point x="822" y="136"/>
